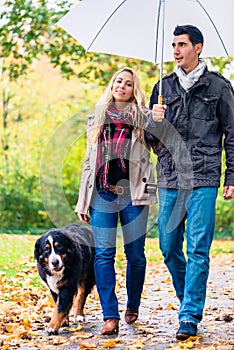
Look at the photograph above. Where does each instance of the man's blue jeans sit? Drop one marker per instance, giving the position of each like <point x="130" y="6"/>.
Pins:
<point x="189" y="276"/>
<point x="106" y="208"/>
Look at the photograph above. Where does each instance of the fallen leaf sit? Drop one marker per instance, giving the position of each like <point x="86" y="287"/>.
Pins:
<point x="187" y="345"/>
<point x="87" y="346"/>
<point x="109" y="344"/>
<point x="227" y="318"/>
<point x="74" y="329"/>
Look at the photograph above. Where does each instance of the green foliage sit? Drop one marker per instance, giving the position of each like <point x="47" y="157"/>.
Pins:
<point x="48" y="124"/>
<point x="26" y="26"/>
<point x="224" y="217"/>
<point x="28" y="29"/>
<point x="44" y="114"/>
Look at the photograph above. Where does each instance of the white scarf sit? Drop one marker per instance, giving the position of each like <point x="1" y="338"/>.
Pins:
<point x="188" y="80"/>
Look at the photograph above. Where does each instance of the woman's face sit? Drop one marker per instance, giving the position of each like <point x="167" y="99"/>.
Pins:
<point x="122" y="89"/>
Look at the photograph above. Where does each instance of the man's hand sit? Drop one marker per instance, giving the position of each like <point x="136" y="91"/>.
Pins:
<point x="158" y="112"/>
<point x="228" y="192"/>
<point x="84" y="218"/>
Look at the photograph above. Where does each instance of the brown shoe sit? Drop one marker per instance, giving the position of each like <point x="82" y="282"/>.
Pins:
<point x="131" y="316"/>
<point x="111" y="326"/>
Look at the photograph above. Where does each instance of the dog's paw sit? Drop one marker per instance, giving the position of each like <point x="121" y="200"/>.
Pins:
<point x="52" y="331"/>
<point x="80" y="318"/>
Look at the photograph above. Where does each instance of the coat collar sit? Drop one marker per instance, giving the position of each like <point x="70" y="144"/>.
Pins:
<point x="203" y="80"/>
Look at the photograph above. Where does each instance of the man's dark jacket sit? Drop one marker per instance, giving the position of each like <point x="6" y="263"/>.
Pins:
<point x="197" y="125"/>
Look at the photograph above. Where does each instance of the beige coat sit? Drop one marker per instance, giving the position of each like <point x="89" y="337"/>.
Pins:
<point x="141" y="172"/>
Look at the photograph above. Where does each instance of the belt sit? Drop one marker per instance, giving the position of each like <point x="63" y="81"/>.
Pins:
<point x="120" y="190"/>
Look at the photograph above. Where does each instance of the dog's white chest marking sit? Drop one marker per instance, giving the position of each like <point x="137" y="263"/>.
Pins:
<point x="56" y="275"/>
<point x="53" y="280"/>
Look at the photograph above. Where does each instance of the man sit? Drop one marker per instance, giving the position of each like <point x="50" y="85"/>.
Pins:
<point x="196" y="121"/>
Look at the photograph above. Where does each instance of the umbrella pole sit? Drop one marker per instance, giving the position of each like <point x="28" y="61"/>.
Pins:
<point x="160" y="97"/>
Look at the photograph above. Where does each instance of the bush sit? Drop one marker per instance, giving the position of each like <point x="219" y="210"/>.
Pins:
<point x="224" y="217"/>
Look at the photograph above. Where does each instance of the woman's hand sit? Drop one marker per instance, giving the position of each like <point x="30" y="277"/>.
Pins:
<point x="158" y="112"/>
<point x="84" y="218"/>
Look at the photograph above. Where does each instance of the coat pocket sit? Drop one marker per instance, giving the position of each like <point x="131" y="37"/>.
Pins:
<point x="205" y="159"/>
<point x="205" y="107"/>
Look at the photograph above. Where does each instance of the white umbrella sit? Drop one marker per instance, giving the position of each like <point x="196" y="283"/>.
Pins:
<point x="143" y="29"/>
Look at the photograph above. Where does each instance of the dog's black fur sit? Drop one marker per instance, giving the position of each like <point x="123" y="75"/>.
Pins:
<point x="65" y="261"/>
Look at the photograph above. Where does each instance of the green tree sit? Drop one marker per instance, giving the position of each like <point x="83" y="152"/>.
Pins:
<point x="27" y="31"/>
<point x="24" y="35"/>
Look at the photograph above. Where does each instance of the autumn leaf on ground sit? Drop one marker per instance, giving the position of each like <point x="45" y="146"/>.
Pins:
<point x="88" y="346"/>
<point x="109" y="344"/>
<point x="227" y="318"/>
<point x="27" y="307"/>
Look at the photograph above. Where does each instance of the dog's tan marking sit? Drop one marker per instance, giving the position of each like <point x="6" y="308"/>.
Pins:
<point x="64" y="256"/>
<point x="79" y="302"/>
<point x="62" y="283"/>
<point x="56" y="320"/>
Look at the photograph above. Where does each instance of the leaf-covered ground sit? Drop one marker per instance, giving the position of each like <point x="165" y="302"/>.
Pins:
<point x="26" y="306"/>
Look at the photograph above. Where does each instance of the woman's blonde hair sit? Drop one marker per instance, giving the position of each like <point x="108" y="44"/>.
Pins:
<point x="137" y="103"/>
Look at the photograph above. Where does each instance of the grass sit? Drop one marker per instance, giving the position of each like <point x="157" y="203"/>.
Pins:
<point x="17" y="252"/>
<point x="15" y="248"/>
<point x="222" y="247"/>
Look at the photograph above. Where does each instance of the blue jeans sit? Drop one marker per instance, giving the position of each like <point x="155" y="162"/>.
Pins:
<point x="189" y="276"/>
<point x="105" y="209"/>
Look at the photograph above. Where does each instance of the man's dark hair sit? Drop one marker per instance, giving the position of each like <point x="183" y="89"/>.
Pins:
<point x="194" y="34"/>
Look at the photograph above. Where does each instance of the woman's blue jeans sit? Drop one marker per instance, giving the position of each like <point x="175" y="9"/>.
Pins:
<point x="189" y="276"/>
<point x="106" y="208"/>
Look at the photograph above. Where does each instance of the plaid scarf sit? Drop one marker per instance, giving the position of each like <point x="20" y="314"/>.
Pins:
<point x="113" y="143"/>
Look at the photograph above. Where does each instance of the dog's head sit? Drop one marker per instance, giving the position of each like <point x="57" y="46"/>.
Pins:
<point x="53" y="250"/>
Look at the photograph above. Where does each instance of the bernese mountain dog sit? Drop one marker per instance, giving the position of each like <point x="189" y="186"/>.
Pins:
<point x="65" y="261"/>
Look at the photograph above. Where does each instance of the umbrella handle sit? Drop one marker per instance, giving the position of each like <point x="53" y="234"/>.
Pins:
<point x="160" y="102"/>
<point x="160" y="99"/>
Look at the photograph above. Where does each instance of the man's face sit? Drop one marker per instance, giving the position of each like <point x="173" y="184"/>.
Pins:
<point x="185" y="54"/>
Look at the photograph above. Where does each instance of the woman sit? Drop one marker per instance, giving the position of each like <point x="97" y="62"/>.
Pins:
<point x="115" y="178"/>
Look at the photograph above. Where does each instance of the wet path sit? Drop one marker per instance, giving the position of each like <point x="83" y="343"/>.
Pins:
<point x="158" y="323"/>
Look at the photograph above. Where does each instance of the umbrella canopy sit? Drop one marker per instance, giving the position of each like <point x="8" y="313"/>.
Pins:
<point x="136" y="29"/>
